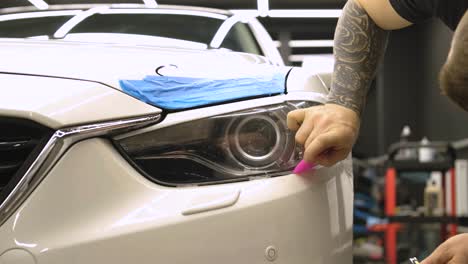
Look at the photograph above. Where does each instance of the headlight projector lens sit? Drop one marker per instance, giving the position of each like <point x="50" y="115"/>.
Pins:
<point x="256" y="140"/>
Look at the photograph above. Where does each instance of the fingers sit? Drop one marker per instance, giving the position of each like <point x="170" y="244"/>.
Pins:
<point x="320" y="124"/>
<point x="318" y="146"/>
<point x="327" y="132"/>
<point x="331" y="157"/>
<point x="313" y="134"/>
<point x="440" y="256"/>
<point x="434" y="259"/>
<point x="326" y="149"/>
<point x="296" y="122"/>
<point x="295" y="119"/>
<point x="304" y="132"/>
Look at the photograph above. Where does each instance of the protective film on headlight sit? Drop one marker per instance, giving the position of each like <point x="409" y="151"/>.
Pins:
<point x="229" y="147"/>
<point x="178" y="93"/>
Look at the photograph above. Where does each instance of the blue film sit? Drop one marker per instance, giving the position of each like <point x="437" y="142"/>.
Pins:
<point x="177" y="93"/>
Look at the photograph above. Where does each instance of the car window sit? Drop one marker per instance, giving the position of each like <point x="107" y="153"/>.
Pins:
<point x="31" y="27"/>
<point x="240" y="38"/>
<point x="191" y="28"/>
<point x="200" y="29"/>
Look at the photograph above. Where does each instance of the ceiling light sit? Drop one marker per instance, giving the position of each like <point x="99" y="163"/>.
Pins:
<point x="297" y="58"/>
<point x="263" y="6"/>
<point x="151" y="3"/>
<point x="298" y="13"/>
<point x="319" y="43"/>
<point x="311" y="43"/>
<point x="311" y="13"/>
<point x="40" y="4"/>
<point x="316" y="57"/>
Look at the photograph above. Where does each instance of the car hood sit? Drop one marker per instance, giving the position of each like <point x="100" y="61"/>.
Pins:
<point x="109" y="63"/>
<point x="58" y="102"/>
<point x="61" y="84"/>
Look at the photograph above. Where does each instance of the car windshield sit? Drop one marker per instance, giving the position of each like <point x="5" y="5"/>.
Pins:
<point x="159" y="27"/>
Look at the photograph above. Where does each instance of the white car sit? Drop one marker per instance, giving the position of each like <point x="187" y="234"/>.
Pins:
<point x="94" y="172"/>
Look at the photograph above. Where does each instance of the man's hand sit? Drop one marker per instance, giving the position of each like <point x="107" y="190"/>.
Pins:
<point x="327" y="132"/>
<point x="452" y="251"/>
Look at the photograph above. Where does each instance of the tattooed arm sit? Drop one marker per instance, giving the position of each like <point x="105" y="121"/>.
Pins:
<point x="359" y="46"/>
<point x="328" y="132"/>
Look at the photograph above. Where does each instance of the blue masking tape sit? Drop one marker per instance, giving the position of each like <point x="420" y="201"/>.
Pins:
<point x="177" y="93"/>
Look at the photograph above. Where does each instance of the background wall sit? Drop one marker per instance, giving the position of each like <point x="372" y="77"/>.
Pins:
<point x="408" y="93"/>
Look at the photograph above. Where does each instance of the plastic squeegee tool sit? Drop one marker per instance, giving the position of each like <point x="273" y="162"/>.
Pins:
<point x="303" y="167"/>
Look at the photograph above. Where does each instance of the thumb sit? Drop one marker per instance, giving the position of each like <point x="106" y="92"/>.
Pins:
<point x="295" y="119"/>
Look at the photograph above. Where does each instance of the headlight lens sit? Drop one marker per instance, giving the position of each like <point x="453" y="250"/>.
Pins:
<point x="255" y="140"/>
<point x="229" y="147"/>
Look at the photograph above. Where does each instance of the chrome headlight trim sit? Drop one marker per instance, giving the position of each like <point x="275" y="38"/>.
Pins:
<point x="57" y="145"/>
<point x="205" y="112"/>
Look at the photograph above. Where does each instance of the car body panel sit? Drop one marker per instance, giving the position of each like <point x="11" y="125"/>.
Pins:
<point x="73" y="216"/>
<point x="56" y="103"/>
<point x="109" y="63"/>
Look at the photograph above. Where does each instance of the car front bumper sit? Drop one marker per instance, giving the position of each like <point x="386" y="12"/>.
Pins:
<point x="93" y="207"/>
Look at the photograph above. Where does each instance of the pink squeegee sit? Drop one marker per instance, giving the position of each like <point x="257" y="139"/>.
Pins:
<point x="303" y="167"/>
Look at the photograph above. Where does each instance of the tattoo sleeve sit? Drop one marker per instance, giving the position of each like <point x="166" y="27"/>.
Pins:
<point x="359" y="45"/>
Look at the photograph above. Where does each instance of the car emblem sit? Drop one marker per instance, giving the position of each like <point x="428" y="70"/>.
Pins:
<point x="158" y="69"/>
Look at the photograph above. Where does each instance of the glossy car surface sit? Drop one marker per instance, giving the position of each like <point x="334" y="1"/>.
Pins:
<point x="90" y="174"/>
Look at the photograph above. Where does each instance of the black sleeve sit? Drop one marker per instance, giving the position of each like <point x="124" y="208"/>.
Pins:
<point x="416" y="10"/>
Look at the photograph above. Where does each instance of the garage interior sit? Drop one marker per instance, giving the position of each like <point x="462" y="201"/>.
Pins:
<point x="405" y="93"/>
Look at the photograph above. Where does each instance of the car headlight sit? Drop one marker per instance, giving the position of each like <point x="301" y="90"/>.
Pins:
<point x="229" y="147"/>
